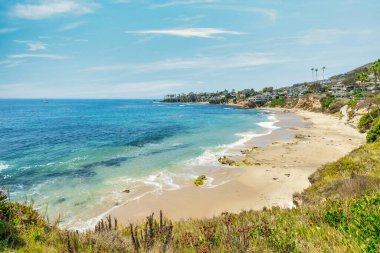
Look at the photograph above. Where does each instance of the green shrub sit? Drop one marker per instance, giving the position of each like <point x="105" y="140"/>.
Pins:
<point x="326" y="101"/>
<point x="352" y="103"/>
<point x="361" y="220"/>
<point x="366" y="121"/>
<point x="279" y="102"/>
<point x="335" y="106"/>
<point x="374" y="133"/>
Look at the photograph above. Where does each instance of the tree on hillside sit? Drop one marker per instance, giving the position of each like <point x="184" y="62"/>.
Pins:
<point x="323" y="73"/>
<point x="316" y="74"/>
<point x="312" y="73"/>
<point x="363" y="78"/>
<point x="268" y="89"/>
<point x="375" y="70"/>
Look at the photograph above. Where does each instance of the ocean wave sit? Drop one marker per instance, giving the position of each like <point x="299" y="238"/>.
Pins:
<point x="162" y="180"/>
<point x="269" y="124"/>
<point x="210" y="156"/>
<point x="3" y="166"/>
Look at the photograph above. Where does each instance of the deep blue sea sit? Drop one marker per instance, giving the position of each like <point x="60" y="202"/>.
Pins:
<point x="76" y="157"/>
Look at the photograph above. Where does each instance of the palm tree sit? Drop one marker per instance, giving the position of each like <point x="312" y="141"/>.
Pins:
<point x="375" y="70"/>
<point x="312" y="73"/>
<point x="363" y="78"/>
<point x="323" y="73"/>
<point x="316" y="75"/>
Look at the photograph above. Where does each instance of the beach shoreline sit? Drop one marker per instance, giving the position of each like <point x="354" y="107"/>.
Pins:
<point x="278" y="168"/>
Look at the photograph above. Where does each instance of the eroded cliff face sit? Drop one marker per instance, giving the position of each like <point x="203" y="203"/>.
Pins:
<point x="309" y="103"/>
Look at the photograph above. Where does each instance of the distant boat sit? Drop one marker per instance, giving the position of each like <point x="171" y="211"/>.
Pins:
<point x="46" y="101"/>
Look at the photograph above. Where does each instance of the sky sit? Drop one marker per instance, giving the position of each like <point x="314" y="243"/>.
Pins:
<point x="149" y="48"/>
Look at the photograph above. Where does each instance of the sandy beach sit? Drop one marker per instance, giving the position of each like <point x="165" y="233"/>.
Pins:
<point x="282" y="164"/>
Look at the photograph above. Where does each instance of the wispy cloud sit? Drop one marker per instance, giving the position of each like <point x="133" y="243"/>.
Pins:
<point x="5" y="30"/>
<point x="121" y="1"/>
<point x="148" y="89"/>
<point x="71" y="26"/>
<point x="209" y="4"/>
<point x="329" y="36"/>
<point x="188" y="19"/>
<point x="183" y="2"/>
<point x="188" y="32"/>
<point x="33" y="45"/>
<point x="239" y="61"/>
<point x="270" y="13"/>
<point x="48" y="8"/>
<point x="145" y="89"/>
<point x="320" y="36"/>
<point x="46" y="56"/>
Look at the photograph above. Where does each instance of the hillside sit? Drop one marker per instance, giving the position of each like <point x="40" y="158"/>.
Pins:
<point x="350" y="76"/>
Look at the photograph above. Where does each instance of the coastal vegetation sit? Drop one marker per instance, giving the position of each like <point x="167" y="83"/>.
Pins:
<point x="374" y="133"/>
<point x="367" y="120"/>
<point x="339" y="212"/>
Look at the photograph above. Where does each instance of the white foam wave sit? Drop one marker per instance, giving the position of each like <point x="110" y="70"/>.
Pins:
<point x="210" y="157"/>
<point x="3" y="166"/>
<point x="269" y="124"/>
<point x="162" y="180"/>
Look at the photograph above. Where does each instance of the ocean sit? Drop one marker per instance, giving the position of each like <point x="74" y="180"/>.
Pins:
<point x="77" y="159"/>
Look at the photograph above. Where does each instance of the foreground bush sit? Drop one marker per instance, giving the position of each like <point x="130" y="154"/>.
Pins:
<point x="367" y="120"/>
<point x="374" y="133"/>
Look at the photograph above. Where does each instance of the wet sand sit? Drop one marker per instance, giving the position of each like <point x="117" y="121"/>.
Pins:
<point x="282" y="162"/>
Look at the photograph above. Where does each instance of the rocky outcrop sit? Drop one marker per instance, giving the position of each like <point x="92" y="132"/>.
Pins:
<point x="309" y="103"/>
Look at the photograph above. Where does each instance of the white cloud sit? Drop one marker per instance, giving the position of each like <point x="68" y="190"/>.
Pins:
<point x="188" y="32"/>
<point x="329" y="36"/>
<point x="48" y="8"/>
<point x="320" y="36"/>
<point x="239" y="61"/>
<point x="121" y="1"/>
<point x="148" y="89"/>
<point x="184" y="2"/>
<point x="8" y="30"/>
<point x="4" y="62"/>
<point x="33" y="45"/>
<point x="187" y="19"/>
<point x="71" y="26"/>
<point x="270" y="13"/>
<point x="46" y="56"/>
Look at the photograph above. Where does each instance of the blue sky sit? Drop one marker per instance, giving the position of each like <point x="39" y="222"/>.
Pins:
<point x="146" y="48"/>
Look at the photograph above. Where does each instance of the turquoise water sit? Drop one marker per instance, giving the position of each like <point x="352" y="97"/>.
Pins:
<point x="76" y="157"/>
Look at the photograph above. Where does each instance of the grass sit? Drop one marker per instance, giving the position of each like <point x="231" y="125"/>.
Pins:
<point x="355" y="174"/>
<point x="340" y="212"/>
